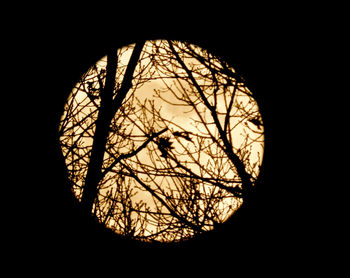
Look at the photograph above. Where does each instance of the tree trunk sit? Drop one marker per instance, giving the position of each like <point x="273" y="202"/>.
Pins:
<point x="107" y="111"/>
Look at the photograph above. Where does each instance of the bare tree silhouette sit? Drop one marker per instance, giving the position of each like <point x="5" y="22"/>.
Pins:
<point x="162" y="140"/>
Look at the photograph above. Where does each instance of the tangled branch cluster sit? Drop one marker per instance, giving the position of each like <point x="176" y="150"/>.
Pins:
<point x="182" y="151"/>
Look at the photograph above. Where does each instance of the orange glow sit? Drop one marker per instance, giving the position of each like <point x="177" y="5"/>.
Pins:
<point x="183" y="173"/>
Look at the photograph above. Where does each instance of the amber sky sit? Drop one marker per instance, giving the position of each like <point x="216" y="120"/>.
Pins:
<point x="185" y="119"/>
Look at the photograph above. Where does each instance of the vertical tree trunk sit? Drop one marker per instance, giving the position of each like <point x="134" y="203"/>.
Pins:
<point x="107" y="110"/>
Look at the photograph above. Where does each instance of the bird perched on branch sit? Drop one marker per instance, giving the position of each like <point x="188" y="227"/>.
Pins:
<point x="164" y="145"/>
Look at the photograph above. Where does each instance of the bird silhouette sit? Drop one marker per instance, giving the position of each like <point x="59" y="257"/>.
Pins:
<point x="164" y="146"/>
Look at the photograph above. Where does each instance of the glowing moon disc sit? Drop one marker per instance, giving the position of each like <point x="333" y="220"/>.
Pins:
<point x="182" y="149"/>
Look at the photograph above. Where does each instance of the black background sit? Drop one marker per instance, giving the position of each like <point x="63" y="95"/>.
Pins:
<point x="274" y="55"/>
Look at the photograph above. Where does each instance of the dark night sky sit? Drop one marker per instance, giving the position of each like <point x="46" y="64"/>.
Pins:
<point x="274" y="221"/>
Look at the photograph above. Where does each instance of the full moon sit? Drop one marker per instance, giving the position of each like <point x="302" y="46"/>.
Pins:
<point x="182" y="150"/>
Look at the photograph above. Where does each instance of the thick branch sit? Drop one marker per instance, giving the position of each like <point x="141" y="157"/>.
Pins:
<point x="131" y="154"/>
<point x="106" y="113"/>
<point x="246" y="182"/>
<point x="129" y="73"/>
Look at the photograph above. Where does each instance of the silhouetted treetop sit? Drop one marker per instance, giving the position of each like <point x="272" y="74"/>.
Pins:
<point x="162" y="140"/>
